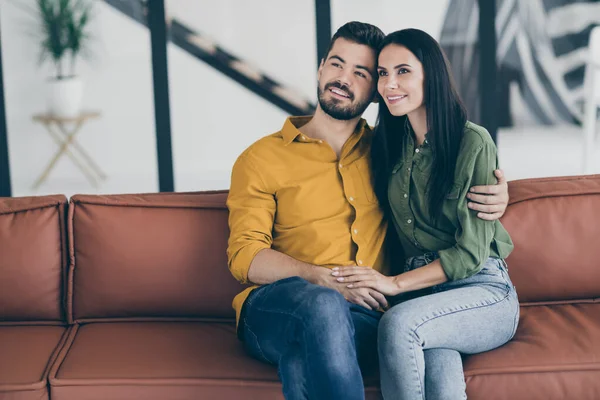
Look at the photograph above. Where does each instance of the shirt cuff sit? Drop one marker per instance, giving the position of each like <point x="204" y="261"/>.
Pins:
<point x="454" y="265"/>
<point x="240" y="262"/>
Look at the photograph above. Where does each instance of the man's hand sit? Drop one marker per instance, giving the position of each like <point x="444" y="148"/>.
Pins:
<point x="370" y="299"/>
<point x="491" y="200"/>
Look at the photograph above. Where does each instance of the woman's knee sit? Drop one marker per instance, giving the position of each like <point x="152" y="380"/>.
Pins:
<point x="395" y="323"/>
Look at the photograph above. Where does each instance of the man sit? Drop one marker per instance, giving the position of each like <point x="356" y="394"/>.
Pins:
<point x="301" y="202"/>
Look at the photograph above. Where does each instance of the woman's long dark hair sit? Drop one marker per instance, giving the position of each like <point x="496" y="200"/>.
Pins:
<point x="446" y="118"/>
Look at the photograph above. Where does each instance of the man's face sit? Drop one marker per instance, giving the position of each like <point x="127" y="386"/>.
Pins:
<point x="347" y="80"/>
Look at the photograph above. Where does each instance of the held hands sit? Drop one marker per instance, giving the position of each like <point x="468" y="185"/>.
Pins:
<point x="358" y="278"/>
<point x="369" y="298"/>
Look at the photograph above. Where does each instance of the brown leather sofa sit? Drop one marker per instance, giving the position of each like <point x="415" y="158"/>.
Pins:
<point x="129" y="297"/>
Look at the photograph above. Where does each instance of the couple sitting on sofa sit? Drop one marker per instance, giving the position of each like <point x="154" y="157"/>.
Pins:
<point x="309" y="212"/>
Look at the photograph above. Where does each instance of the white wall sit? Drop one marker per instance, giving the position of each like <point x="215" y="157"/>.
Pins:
<point x="118" y="83"/>
<point x="213" y="118"/>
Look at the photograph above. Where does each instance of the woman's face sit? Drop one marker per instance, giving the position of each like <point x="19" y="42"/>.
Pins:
<point x="400" y="80"/>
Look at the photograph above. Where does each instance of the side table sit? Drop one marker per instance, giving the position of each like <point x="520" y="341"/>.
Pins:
<point x="63" y="131"/>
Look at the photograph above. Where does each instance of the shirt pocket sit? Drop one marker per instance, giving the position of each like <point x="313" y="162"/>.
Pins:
<point x="451" y="205"/>
<point x="398" y="167"/>
<point x="362" y="179"/>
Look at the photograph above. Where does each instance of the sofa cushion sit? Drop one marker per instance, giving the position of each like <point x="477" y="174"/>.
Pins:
<point x="26" y="354"/>
<point x="554" y="355"/>
<point x="159" y="360"/>
<point x="157" y="255"/>
<point x="553" y="223"/>
<point x="33" y="259"/>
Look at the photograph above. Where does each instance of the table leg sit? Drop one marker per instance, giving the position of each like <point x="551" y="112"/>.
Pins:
<point x="62" y="150"/>
<point x="82" y="167"/>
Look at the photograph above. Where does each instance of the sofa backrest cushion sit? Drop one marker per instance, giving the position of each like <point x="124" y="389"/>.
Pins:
<point x="150" y="256"/>
<point x="33" y="259"/>
<point x="555" y="226"/>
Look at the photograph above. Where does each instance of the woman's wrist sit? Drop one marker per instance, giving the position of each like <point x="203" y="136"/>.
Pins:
<point x="399" y="283"/>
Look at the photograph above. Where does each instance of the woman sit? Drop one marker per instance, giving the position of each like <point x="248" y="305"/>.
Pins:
<point x="457" y="296"/>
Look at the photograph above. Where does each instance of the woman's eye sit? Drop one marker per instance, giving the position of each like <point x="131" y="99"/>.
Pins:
<point x="402" y="71"/>
<point x="382" y="73"/>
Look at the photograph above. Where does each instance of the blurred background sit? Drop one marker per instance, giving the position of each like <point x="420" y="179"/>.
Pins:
<point x="126" y="96"/>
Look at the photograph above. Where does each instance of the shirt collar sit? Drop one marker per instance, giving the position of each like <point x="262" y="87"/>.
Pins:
<point x="290" y="131"/>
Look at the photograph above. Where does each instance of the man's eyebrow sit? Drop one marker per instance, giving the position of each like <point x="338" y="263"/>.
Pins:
<point x="339" y="58"/>
<point x="356" y="66"/>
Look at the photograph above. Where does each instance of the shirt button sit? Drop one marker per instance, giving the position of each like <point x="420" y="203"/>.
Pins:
<point x="320" y="141"/>
<point x="417" y="150"/>
<point x="340" y="165"/>
<point x="356" y="231"/>
<point x="408" y="169"/>
<point x="409" y="221"/>
<point x="405" y="195"/>
<point x="303" y="137"/>
<point x="351" y="198"/>
<point x="359" y="262"/>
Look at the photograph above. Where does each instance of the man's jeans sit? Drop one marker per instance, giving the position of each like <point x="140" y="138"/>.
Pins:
<point x="420" y="340"/>
<point x="317" y="339"/>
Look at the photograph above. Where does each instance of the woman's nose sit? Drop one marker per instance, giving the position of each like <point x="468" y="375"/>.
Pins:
<point x="391" y="83"/>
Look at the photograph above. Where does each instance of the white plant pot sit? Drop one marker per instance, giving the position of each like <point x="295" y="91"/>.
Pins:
<point x="64" y="97"/>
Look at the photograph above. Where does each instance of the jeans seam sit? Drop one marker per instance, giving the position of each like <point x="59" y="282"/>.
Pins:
<point x="515" y="323"/>
<point x="258" y="347"/>
<point x="443" y="314"/>
<point x="295" y="317"/>
<point x="421" y="381"/>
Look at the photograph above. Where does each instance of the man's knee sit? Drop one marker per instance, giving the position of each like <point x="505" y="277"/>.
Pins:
<point x="325" y="302"/>
<point x="325" y="308"/>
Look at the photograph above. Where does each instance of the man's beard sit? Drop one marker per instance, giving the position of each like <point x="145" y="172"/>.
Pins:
<point x="337" y="111"/>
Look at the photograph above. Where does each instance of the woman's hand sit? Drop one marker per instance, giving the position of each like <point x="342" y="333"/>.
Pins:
<point x="365" y="277"/>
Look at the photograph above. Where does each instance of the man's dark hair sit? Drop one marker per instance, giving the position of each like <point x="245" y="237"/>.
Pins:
<point x="358" y="32"/>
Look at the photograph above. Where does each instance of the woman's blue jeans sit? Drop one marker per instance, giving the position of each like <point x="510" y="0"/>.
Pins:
<point x="420" y="340"/>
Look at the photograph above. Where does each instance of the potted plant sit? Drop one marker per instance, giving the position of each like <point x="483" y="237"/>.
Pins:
<point x="64" y="38"/>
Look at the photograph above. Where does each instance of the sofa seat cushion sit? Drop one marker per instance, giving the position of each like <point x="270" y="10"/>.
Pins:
<point x="554" y="355"/>
<point x="26" y="354"/>
<point x="160" y="360"/>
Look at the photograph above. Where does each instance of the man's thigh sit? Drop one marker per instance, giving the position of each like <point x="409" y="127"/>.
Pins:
<point x="273" y="314"/>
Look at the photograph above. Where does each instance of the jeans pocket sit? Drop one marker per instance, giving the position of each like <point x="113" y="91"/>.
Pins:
<point x="491" y="267"/>
<point x="415" y="262"/>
